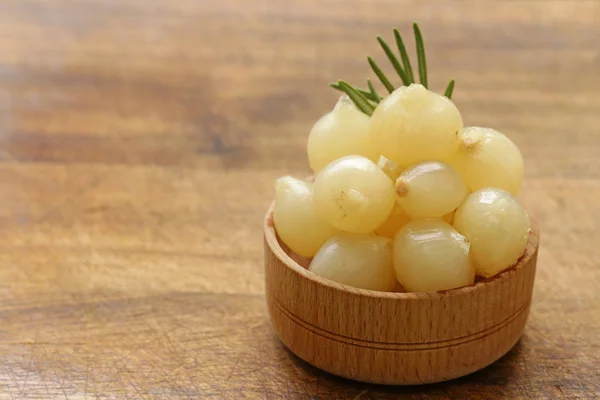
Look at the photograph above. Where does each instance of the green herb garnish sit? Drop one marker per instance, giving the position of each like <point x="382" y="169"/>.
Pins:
<point x="367" y="100"/>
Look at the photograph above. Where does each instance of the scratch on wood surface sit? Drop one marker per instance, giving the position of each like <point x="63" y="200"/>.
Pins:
<point x="134" y="383"/>
<point x="176" y="351"/>
<point x="360" y="394"/>
<point x="12" y="377"/>
<point x="300" y="372"/>
<point x="118" y="372"/>
<point x="233" y="368"/>
<point x="28" y="370"/>
<point x="55" y="373"/>
<point x="87" y="378"/>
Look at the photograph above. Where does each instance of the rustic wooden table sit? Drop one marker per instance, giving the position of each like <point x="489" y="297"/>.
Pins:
<point x="139" y="141"/>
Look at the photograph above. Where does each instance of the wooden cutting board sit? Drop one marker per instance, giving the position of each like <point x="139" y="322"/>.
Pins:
<point x="139" y="140"/>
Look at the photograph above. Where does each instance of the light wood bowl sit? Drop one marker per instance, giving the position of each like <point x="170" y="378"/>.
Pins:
<point x="395" y="338"/>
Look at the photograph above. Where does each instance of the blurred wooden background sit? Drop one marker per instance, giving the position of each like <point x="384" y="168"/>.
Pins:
<point x="139" y="140"/>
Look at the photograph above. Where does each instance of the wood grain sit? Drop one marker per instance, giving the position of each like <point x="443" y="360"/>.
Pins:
<point x="138" y="144"/>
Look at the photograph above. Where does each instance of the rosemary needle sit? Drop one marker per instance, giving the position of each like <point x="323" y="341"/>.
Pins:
<point x="367" y="100"/>
<point x="395" y="63"/>
<point x="421" y="55"/>
<point x="449" y="89"/>
<point x="404" y="56"/>
<point x="386" y="82"/>
<point x="373" y="91"/>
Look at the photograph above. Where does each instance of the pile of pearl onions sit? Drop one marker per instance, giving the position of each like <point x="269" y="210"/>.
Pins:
<point x="341" y="132"/>
<point x="353" y="194"/>
<point x="429" y="255"/>
<point x="487" y="158"/>
<point x="497" y="227"/>
<point x="430" y="189"/>
<point x="296" y="221"/>
<point x="361" y="261"/>
<point x="414" y="124"/>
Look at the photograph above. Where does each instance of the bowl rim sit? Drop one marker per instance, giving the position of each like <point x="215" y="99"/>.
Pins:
<point x="523" y="261"/>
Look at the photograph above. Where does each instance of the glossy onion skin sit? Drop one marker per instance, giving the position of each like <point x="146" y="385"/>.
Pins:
<point x="353" y="194"/>
<point x="342" y="132"/>
<point x="414" y="124"/>
<point x="487" y="158"/>
<point x="430" y="255"/>
<point x="295" y="219"/>
<point x="430" y="189"/>
<point x="497" y="227"/>
<point x="361" y="261"/>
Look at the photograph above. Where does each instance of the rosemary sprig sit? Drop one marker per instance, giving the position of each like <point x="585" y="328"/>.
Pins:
<point x="367" y="100"/>
<point x="362" y="103"/>
<point x="362" y="96"/>
<point x="421" y="55"/>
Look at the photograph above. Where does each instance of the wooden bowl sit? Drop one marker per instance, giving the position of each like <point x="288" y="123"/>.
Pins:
<point x="396" y="338"/>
